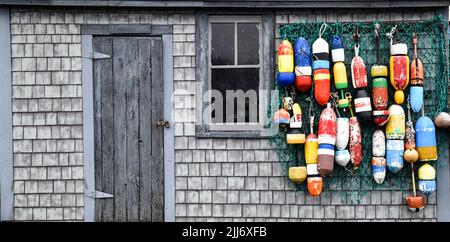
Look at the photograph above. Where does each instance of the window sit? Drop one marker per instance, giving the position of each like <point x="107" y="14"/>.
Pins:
<point x="236" y="85"/>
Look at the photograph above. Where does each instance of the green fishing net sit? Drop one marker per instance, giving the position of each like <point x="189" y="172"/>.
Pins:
<point x="431" y="50"/>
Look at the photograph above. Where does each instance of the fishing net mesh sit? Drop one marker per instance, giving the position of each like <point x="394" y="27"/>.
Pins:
<point x="431" y="49"/>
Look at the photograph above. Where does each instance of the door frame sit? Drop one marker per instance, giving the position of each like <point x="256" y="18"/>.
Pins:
<point x="88" y="31"/>
<point x="6" y="141"/>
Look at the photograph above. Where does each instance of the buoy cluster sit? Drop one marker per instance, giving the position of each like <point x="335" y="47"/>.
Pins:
<point x="339" y="139"/>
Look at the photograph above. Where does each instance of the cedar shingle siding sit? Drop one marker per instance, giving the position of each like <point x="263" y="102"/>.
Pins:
<point x="216" y="179"/>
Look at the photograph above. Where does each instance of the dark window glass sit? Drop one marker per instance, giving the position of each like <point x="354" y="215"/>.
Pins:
<point x="234" y="79"/>
<point x="222" y="43"/>
<point x="248" y="43"/>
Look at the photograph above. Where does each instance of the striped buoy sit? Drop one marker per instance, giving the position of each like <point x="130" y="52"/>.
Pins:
<point x="427" y="179"/>
<point x="362" y="103"/>
<point x="339" y="70"/>
<point x="281" y="117"/>
<point x="285" y="76"/>
<point x="416" y="90"/>
<point x="395" y="128"/>
<point x="321" y="67"/>
<point x="295" y="134"/>
<point x="426" y="139"/>
<point x="302" y="54"/>
<point x="379" y="75"/>
<point x="395" y="134"/>
<point x="322" y="86"/>
<point x="399" y="67"/>
<point x="378" y="153"/>
<point x="314" y="180"/>
<point x="380" y="94"/>
<point x="342" y="156"/>
<point x="394" y="154"/>
<point x="327" y="141"/>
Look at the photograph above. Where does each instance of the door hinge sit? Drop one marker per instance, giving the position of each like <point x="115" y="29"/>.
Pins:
<point x="94" y="55"/>
<point x="99" y="195"/>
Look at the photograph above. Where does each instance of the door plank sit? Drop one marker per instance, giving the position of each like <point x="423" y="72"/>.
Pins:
<point x="157" y="169"/>
<point x="104" y="121"/>
<point x="145" y="130"/>
<point x="120" y="137"/>
<point x="108" y="135"/>
<point x="132" y="106"/>
<point x="97" y="77"/>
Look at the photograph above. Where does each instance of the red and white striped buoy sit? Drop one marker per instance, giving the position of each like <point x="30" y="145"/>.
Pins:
<point x="327" y="141"/>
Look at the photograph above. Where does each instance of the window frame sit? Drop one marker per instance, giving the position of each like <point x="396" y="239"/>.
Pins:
<point x="204" y="66"/>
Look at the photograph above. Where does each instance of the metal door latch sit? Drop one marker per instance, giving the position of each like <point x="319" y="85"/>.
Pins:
<point x="163" y="123"/>
<point x="99" y="195"/>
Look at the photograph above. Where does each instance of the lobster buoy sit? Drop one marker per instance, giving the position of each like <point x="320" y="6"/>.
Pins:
<point x="416" y="90"/>
<point x="378" y="169"/>
<point x="378" y="143"/>
<point x="296" y="120"/>
<point x="411" y="155"/>
<point x="399" y="70"/>
<point x="321" y="67"/>
<point x="395" y="134"/>
<point x="327" y="141"/>
<point x="295" y="134"/>
<point x="380" y="91"/>
<point x="285" y="76"/>
<point x="314" y="180"/>
<point x="281" y="117"/>
<point x="359" y="74"/>
<point x="297" y="174"/>
<point x="339" y="70"/>
<point x="311" y="148"/>
<point x="415" y="203"/>
<point x="427" y="179"/>
<point x="394" y="154"/>
<point x="302" y="57"/>
<point x="378" y="153"/>
<point x="342" y="156"/>
<point x="363" y="105"/>
<point x="321" y="55"/>
<point x="380" y="94"/>
<point x="442" y="120"/>
<point x="312" y="143"/>
<point x="355" y="142"/>
<point x="322" y="86"/>
<point x="342" y="133"/>
<point x="426" y="139"/>
<point x="395" y="128"/>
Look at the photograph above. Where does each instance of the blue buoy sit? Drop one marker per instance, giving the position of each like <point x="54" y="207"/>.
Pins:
<point x="416" y="98"/>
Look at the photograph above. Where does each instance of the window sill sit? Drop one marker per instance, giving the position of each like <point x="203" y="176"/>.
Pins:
<point x="203" y="132"/>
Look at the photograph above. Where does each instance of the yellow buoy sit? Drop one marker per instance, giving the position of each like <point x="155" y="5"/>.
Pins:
<point x="297" y="174"/>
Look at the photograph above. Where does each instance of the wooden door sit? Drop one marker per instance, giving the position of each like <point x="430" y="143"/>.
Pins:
<point x="128" y="101"/>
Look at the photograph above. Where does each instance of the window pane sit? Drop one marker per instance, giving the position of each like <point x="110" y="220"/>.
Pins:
<point x="242" y="107"/>
<point x="222" y="43"/>
<point x="248" y="43"/>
